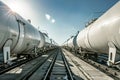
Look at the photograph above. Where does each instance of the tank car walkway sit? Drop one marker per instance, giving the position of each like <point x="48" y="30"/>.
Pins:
<point x="58" y="64"/>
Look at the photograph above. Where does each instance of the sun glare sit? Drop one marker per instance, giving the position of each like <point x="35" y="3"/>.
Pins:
<point x="15" y="6"/>
<point x="21" y="7"/>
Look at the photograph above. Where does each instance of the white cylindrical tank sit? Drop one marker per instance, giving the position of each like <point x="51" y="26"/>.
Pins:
<point x="9" y="30"/>
<point x="17" y="35"/>
<point x="103" y="31"/>
<point x="42" y="42"/>
<point x="16" y="32"/>
<point x="47" y="41"/>
<point x="70" y="42"/>
<point x="29" y="36"/>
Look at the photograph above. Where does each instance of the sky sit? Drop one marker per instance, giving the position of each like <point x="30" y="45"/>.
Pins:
<point x="61" y="19"/>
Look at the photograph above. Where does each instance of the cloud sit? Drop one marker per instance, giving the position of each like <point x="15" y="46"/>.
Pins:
<point x="53" y="20"/>
<point x="47" y="16"/>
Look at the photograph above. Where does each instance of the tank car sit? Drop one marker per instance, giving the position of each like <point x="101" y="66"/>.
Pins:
<point x="48" y="42"/>
<point x="53" y="44"/>
<point x="103" y="35"/>
<point x="17" y="36"/>
<point x="70" y="42"/>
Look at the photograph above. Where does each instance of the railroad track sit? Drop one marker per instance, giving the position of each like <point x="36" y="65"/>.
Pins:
<point x="5" y="68"/>
<point x="58" y="65"/>
<point x="64" y="72"/>
<point x="15" y="63"/>
<point x="23" y="71"/>
<point x="39" y="66"/>
<point x="63" y="66"/>
<point x="55" y="68"/>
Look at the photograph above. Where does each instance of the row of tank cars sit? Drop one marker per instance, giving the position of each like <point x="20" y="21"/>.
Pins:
<point x="101" y="36"/>
<point x="18" y="37"/>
